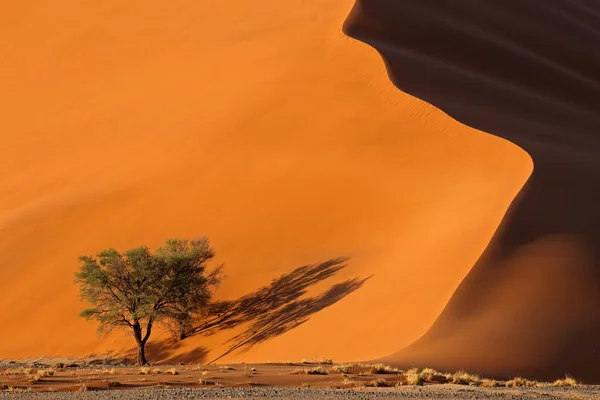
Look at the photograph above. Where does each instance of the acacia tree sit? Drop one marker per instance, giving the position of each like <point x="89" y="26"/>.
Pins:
<point x="138" y="289"/>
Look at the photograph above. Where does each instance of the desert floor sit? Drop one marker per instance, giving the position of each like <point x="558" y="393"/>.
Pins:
<point x="281" y="380"/>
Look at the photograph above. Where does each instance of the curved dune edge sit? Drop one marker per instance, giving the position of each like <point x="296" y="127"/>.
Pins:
<point x="529" y="306"/>
<point x="259" y="125"/>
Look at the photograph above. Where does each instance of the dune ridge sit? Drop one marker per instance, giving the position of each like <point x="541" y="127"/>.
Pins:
<point x="530" y="73"/>
<point x="258" y="124"/>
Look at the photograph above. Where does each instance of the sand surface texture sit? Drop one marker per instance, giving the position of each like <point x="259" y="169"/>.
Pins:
<point x="265" y="127"/>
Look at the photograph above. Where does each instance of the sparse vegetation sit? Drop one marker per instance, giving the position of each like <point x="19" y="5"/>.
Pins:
<point x="137" y="289"/>
<point x="464" y="378"/>
<point x="144" y="371"/>
<point x="312" y="371"/>
<point x="382" y="369"/>
<point x="413" y="377"/>
<point x="340" y="369"/>
<point x="490" y="383"/>
<point x="172" y="371"/>
<point x="379" y="383"/>
<point x="520" y="382"/>
<point x="567" y="381"/>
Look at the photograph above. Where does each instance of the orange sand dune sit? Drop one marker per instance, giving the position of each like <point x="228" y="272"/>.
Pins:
<point x="528" y="72"/>
<point x="259" y="124"/>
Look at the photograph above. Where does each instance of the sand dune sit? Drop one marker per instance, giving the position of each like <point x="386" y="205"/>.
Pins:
<point x="530" y="73"/>
<point x="261" y="125"/>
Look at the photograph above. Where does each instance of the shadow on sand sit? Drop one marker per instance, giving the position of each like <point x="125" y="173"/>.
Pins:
<point x="266" y="313"/>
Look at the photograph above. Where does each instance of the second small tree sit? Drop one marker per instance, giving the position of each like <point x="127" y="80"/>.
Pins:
<point x="137" y="289"/>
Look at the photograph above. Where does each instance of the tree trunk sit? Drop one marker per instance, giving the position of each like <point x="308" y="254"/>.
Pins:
<point x="141" y="354"/>
<point x="141" y="344"/>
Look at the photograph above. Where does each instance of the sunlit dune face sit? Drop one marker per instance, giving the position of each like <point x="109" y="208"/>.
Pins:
<point x="260" y="125"/>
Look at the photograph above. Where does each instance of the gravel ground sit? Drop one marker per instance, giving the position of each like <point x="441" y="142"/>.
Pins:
<point x="428" y="393"/>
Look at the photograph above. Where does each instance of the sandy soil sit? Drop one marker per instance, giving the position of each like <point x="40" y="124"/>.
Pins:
<point x="286" y="393"/>
<point x="250" y="380"/>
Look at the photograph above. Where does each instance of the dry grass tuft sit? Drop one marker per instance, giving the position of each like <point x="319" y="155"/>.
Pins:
<point x="326" y="361"/>
<point x="383" y="369"/>
<point x="520" y="382"/>
<point x="464" y="378"/>
<point x="224" y="368"/>
<point x="144" y="371"/>
<point x="340" y="369"/>
<point x="156" y="371"/>
<point x="172" y="371"/>
<point x="311" y="371"/>
<point x="379" y="383"/>
<point x="490" y="383"/>
<point x="566" y="382"/>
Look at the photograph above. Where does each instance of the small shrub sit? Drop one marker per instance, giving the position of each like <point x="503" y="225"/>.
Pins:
<point x="413" y="377"/>
<point x="566" y="382"/>
<point x="326" y="361"/>
<point x="156" y="371"/>
<point x="172" y="371"/>
<point x="144" y="371"/>
<point x="42" y="373"/>
<point x="317" y="371"/>
<point x="379" y="383"/>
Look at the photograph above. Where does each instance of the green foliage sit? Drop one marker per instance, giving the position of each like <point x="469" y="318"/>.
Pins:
<point x="139" y="288"/>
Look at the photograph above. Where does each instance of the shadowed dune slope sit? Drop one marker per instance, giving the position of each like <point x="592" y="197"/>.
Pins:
<point x="528" y="72"/>
<point x="258" y="124"/>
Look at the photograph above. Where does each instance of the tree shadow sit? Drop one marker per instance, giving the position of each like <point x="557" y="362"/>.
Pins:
<point x="528" y="72"/>
<point x="266" y="313"/>
<point x="277" y="308"/>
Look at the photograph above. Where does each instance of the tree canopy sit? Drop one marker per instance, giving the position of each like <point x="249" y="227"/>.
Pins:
<point x="137" y="289"/>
